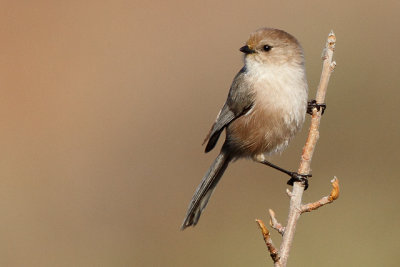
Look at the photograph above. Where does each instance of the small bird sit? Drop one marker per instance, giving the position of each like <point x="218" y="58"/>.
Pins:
<point x="265" y="108"/>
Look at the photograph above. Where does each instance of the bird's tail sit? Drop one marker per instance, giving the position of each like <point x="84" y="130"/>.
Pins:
<point x="205" y="189"/>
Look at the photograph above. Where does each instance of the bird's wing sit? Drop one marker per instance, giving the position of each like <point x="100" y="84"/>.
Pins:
<point x="239" y="101"/>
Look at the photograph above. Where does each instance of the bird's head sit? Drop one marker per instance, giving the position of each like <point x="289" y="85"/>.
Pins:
<point x="273" y="46"/>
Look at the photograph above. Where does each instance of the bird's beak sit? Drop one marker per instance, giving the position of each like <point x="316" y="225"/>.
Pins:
<point x="247" y="50"/>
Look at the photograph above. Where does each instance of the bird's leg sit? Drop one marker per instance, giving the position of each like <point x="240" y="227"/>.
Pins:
<point x="313" y="104"/>
<point x="294" y="176"/>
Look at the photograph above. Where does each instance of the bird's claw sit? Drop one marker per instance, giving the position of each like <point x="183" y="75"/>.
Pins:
<point x="313" y="104"/>
<point x="296" y="177"/>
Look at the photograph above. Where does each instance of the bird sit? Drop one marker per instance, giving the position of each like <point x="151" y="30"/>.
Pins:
<point x="265" y="108"/>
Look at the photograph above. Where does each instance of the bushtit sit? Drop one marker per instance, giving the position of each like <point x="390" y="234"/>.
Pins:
<point x="265" y="108"/>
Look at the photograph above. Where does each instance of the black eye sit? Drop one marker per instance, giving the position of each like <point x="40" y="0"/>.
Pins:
<point x="267" y="48"/>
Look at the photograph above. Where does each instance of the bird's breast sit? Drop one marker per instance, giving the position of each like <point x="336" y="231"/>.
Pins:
<point x="280" y="99"/>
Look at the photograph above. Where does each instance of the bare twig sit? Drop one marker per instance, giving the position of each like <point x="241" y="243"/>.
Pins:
<point x="308" y="150"/>
<point x="274" y="222"/>
<point x="325" y="200"/>
<point x="296" y="208"/>
<point x="268" y="241"/>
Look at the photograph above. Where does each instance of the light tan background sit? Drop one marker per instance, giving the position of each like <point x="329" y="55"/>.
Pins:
<point x="104" y="105"/>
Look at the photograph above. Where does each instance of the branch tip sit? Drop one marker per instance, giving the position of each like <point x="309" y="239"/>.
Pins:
<point x="267" y="238"/>
<point x="331" y="41"/>
<point x="263" y="228"/>
<point x="335" y="189"/>
<point x="271" y="213"/>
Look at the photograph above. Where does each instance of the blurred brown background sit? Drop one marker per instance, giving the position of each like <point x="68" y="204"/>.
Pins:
<point x="104" y="105"/>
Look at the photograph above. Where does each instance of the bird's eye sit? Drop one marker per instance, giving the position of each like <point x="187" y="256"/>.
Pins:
<point x="267" y="48"/>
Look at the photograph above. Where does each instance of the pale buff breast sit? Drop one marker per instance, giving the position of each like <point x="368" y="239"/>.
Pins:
<point x="277" y="115"/>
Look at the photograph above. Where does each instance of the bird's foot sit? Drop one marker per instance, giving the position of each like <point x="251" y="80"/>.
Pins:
<point x="313" y="104"/>
<point x="295" y="177"/>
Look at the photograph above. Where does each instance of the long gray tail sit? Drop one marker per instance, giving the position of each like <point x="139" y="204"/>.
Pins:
<point x="205" y="189"/>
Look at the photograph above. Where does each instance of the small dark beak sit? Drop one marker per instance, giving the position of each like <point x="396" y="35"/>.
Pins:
<point x="246" y="49"/>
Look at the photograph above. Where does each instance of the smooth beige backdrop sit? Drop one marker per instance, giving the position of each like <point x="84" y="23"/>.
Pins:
<point x="104" y="105"/>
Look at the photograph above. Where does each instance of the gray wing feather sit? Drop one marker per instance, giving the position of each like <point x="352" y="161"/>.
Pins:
<point x="239" y="101"/>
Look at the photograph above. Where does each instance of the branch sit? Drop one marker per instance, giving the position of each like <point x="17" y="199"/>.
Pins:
<point x="308" y="150"/>
<point x="325" y="200"/>
<point x="268" y="241"/>
<point x="296" y="208"/>
<point x="274" y="223"/>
